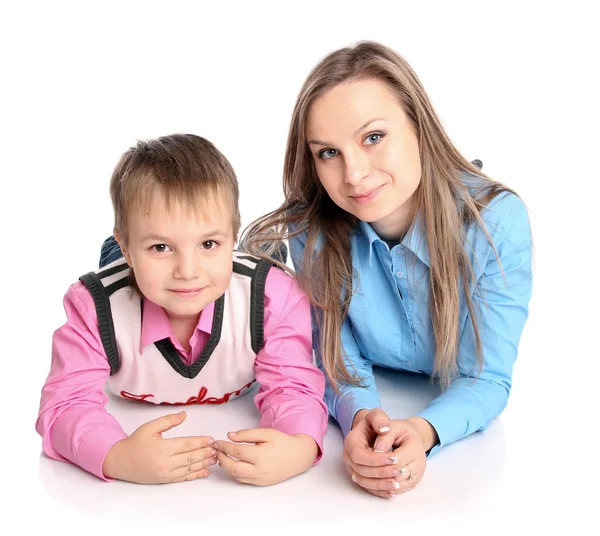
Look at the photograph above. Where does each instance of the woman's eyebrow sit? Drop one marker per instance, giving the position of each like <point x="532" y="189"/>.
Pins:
<point x="319" y="142"/>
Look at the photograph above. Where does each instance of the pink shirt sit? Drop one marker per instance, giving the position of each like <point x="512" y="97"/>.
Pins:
<point x="73" y="420"/>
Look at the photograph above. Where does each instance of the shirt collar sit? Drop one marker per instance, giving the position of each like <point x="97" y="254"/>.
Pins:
<point x="415" y="239"/>
<point x="156" y="326"/>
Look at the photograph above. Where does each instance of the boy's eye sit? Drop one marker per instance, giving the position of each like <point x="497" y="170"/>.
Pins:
<point x="209" y="244"/>
<point x="160" y="248"/>
<point x="326" y="154"/>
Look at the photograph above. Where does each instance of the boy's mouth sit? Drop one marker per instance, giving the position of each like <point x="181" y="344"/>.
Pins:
<point x="187" y="292"/>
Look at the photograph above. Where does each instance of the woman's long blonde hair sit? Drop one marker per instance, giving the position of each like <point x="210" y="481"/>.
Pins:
<point x="443" y="201"/>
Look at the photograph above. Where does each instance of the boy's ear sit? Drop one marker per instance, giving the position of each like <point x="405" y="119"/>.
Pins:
<point x="124" y="250"/>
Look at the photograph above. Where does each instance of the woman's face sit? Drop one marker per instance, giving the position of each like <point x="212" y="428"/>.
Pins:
<point x="366" y="153"/>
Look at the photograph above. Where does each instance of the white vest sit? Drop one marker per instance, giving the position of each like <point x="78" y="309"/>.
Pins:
<point x="156" y="373"/>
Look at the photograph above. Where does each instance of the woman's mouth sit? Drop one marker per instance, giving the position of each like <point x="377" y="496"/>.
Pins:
<point x="367" y="197"/>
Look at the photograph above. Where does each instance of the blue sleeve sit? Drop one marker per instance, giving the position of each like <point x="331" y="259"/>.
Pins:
<point x="352" y="398"/>
<point x="470" y="404"/>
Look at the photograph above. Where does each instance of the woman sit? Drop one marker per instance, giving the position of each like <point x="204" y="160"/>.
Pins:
<point x="412" y="257"/>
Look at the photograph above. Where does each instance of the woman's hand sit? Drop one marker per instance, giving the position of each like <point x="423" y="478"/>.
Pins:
<point x="368" y="458"/>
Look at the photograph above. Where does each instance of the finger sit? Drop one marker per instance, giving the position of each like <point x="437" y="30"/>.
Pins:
<point x="190" y="458"/>
<point x="164" y="423"/>
<point x="410" y="452"/>
<point x="246" y="453"/>
<point x="399" y="433"/>
<point x="383" y="443"/>
<point x="384" y="485"/>
<point x="251" y="435"/>
<point x="382" y="494"/>
<point x="407" y="484"/>
<point x="178" y="445"/>
<point x="203" y="473"/>
<point x="378" y="420"/>
<point x="237" y="469"/>
<point x="386" y="471"/>
<point x="410" y="469"/>
<point x="192" y="469"/>
<point x="362" y="456"/>
<point x="404" y="473"/>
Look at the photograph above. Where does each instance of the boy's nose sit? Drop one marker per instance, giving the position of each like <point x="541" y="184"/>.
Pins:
<point x="187" y="268"/>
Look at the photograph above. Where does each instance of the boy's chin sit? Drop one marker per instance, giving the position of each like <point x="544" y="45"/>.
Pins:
<point x="181" y="316"/>
<point x="184" y="310"/>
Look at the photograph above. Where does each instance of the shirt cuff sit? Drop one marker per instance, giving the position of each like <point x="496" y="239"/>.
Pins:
<point x="302" y="424"/>
<point x="445" y="427"/>
<point x="95" y="446"/>
<point x="351" y="402"/>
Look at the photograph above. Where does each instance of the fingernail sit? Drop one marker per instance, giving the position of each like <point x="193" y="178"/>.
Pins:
<point x="211" y="441"/>
<point x="380" y="447"/>
<point x="397" y="485"/>
<point x="391" y="459"/>
<point x="384" y="429"/>
<point x="392" y="495"/>
<point x="213" y="452"/>
<point x="232" y="434"/>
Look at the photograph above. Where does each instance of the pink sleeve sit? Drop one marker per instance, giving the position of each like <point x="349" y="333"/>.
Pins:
<point x="290" y="398"/>
<point x="72" y="420"/>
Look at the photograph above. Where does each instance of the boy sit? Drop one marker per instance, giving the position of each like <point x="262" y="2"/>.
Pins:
<point x="182" y="319"/>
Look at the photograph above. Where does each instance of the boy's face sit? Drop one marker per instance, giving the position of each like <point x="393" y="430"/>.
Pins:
<point x="182" y="260"/>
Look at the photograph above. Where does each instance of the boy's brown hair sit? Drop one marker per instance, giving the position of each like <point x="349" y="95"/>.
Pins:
<point x="184" y="168"/>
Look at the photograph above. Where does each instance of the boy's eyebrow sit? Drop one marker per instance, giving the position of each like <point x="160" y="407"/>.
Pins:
<point x="214" y="232"/>
<point x="317" y="142"/>
<point x="208" y="234"/>
<point x="154" y="237"/>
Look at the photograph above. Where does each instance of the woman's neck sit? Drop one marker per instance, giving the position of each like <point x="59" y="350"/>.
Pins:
<point x="394" y="227"/>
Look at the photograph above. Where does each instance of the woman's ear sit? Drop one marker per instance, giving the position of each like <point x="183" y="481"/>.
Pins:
<point x="124" y="250"/>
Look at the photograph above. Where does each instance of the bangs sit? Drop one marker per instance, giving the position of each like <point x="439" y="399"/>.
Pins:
<point x="194" y="197"/>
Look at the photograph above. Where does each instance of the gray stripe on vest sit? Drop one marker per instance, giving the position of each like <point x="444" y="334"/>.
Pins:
<point x="106" y="326"/>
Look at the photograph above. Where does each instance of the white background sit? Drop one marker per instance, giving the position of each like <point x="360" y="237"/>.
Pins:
<point x="515" y="84"/>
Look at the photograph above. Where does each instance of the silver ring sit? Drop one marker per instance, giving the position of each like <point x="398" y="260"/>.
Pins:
<point x="410" y="477"/>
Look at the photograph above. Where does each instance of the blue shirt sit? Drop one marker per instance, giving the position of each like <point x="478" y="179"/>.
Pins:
<point x="389" y="323"/>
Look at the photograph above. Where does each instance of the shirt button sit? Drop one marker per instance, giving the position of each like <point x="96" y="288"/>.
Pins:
<point x="398" y="252"/>
<point x="399" y="274"/>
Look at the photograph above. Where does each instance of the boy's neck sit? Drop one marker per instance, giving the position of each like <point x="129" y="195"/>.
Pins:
<point x="183" y="329"/>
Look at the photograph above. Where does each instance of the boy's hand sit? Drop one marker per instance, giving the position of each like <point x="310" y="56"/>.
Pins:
<point x="275" y="456"/>
<point x="146" y="458"/>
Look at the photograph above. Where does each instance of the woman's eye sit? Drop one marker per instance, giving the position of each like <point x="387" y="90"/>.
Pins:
<point x="161" y="248"/>
<point x="373" y="139"/>
<point x="326" y="154"/>
<point x="209" y="244"/>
